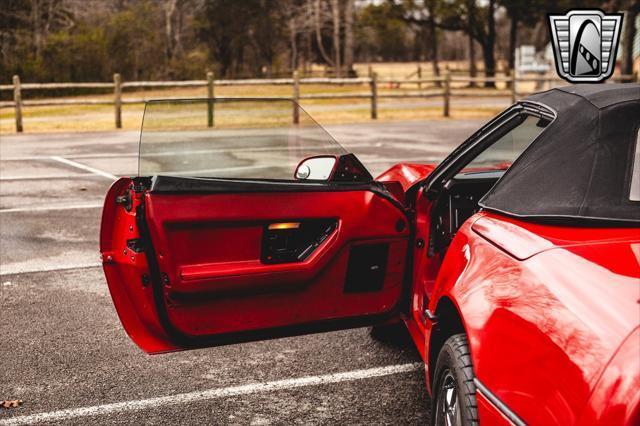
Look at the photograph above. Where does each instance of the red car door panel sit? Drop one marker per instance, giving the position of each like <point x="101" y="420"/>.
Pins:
<point x="216" y="281"/>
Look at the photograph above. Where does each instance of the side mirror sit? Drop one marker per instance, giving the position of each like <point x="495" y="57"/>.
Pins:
<point x="316" y="168"/>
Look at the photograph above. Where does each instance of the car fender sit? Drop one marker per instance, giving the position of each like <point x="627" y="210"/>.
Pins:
<point x="528" y="319"/>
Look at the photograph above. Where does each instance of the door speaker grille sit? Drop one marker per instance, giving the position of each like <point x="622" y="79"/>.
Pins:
<point x="366" y="268"/>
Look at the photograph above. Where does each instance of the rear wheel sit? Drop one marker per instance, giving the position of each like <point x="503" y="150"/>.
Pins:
<point x="454" y="395"/>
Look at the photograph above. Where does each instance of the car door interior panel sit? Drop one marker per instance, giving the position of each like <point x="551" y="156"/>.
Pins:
<point x="240" y="262"/>
<point x="213" y="249"/>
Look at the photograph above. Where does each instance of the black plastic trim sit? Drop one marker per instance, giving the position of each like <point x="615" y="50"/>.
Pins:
<point x="568" y="220"/>
<point x="156" y="275"/>
<point x="179" y="184"/>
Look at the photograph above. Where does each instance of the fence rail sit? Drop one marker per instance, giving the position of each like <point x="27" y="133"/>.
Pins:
<point x="442" y="88"/>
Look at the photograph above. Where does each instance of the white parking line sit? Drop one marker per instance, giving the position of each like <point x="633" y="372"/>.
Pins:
<point x="84" y="167"/>
<point x="46" y="177"/>
<point x="94" y="205"/>
<point x="183" y="398"/>
<point x="19" y="269"/>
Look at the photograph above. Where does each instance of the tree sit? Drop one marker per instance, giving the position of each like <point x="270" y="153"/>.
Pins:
<point x="471" y="16"/>
<point x="628" y="35"/>
<point x="526" y="12"/>
<point x="135" y="42"/>
<point x="476" y="21"/>
<point x="45" y="15"/>
<point x="335" y="14"/>
<point x="425" y="13"/>
<point x="383" y="33"/>
<point x="318" y="21"/>
<point x="173" y="20"/>
<point x="349" y="11"/>
<point x="489" y="43"/>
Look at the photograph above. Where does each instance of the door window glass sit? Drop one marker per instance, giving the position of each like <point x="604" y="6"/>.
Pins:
<point x="237" y="138"/>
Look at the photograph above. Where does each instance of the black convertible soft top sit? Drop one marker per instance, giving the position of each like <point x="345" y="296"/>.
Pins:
<point x="581" y="165"/>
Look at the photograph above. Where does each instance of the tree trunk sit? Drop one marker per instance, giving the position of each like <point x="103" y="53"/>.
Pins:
<point x="348" y="37"/>
<point x="318" y="28"/>
<point x="433" y="35"/>
<point x="294" y="46"/>
<point x="434" y="48"/>
<point x="473" y="71"/>
<point x="178" y="49"/>
<point x="307" y="57"/>
<point x="513" y="39"/>
<point x="488" y="48"/>
<point x="335" y="12"/>
<point x="628" y="34"/>
<point x="169" y="11"/>
<point x="37" y="27"/>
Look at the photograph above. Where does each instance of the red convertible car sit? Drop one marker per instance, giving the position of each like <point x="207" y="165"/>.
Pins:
<point x="514" y="264"/>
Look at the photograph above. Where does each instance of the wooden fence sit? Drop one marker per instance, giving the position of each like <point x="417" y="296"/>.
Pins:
<point x="442" y="84"/>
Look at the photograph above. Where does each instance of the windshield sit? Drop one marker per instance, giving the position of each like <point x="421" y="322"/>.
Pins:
<point x="229" y="138"/>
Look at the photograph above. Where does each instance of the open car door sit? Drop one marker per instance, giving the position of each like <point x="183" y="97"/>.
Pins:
<point x="227" y="235"/>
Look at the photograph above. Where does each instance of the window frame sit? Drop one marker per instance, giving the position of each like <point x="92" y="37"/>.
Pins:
<point x="483" y="139"/>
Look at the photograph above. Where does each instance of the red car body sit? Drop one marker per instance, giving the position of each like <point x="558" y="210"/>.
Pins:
<point x="551" y="311"/>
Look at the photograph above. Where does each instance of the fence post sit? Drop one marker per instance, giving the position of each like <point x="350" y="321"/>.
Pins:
<point x="447" y="92"/>
<point x="374" y="95"/>
<point x="17" y="100"/>
<point x="210" y="97"/>
<point x="117" y="93"/>
<point x="419" y="76"/>
<point x="296" y="97"/>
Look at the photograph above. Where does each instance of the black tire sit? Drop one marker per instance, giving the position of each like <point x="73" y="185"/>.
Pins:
<point x="454" y="393"/>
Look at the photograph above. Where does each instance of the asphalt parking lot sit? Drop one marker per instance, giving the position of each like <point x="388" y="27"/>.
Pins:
<point x="64" y="353"/>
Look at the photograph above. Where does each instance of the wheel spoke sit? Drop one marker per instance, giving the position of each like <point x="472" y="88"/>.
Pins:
<point x="447" y="403"/>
